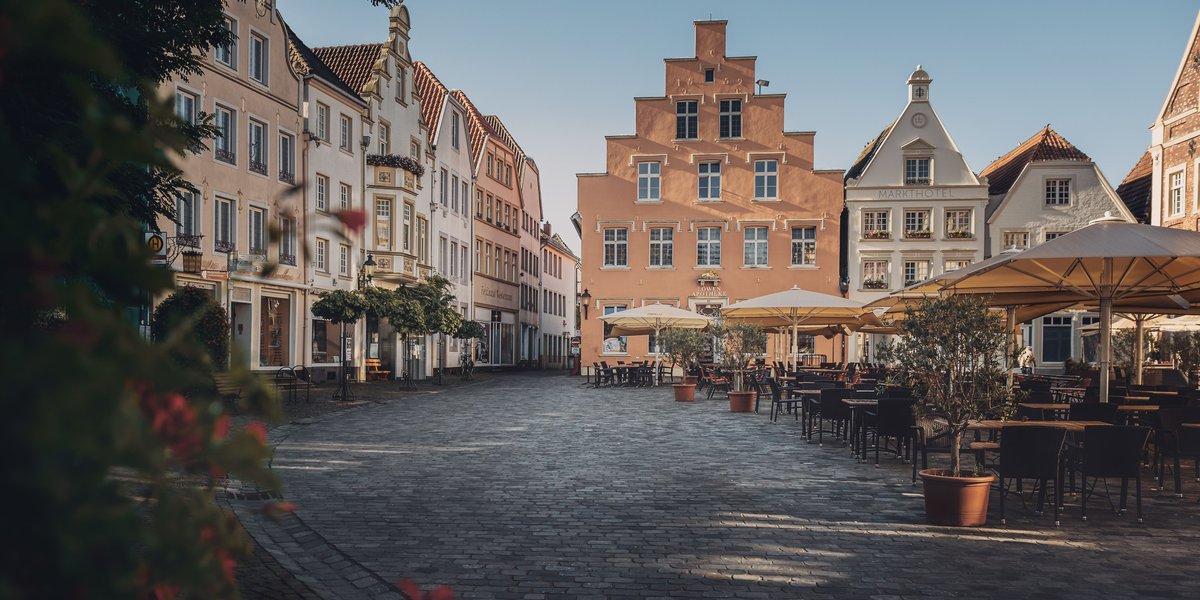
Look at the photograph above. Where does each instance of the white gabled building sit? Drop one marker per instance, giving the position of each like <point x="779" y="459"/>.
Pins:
<point x="914" y="207"/>
<point x="332" y="158"/>
<point x="1041" y="189"/>
<point x="560" y="271"/>
<point x="452" y="186"/>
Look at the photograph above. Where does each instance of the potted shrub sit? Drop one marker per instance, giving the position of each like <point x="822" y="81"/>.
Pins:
<point x="684" y="346"/>
<point x="739" y="343"/>
<point x="949" y="351"/>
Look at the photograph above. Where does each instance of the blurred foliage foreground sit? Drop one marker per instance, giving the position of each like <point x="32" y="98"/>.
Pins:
<point x="111" y="446"/>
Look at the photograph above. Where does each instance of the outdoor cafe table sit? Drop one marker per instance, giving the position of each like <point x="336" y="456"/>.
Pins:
<point x="794" y="396"/>
<point x="997" y="424"/>
<point x="1063" y="408"/>
<point x="1071" y="392"/>
<point x="858" y="444"/>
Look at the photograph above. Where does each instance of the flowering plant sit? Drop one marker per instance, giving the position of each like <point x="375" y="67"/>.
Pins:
<point x="396" y="161"/>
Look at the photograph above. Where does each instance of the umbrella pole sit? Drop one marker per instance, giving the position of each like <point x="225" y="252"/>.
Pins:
<point x="795" y="329"/>
<point x="1010" y="332"/>
<point x="1106" y="300"/>
<point x="1139" y="348"/>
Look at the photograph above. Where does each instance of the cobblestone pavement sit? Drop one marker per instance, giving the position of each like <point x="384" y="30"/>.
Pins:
<point x="531" y="486"/>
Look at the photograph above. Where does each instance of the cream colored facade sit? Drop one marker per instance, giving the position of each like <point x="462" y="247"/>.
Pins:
<point x="244" y="179"/>
<point x="559" y="279"/>
<point x="914" y="206"/>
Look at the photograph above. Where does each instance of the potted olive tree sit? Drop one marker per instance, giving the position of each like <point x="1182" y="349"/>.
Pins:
<point x="740" y="343"/>
<point x="949" y="352"/>
<point x="684" y="346"/>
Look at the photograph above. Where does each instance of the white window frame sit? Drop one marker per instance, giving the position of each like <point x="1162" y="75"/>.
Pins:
<point x="343" y="260"/>
<point x="383" y="223"/>
<point x="187" y="211"/>
<point x="708" y="239"/>
<point x="969" y="228"/>
<point x="1050" y="235"/>
<point x="260" y="58"/>
<point x="321" y="256"/>
<point x="879" y="269"/>
<point x="287" y="240"/>
<point x="322" y="188"/>
<point x="322" y="122"/>
<point x="224" y="223"/>
<point x="766" y="179"/>
<point x="662" y="248"/>
<point x="917" y="275"/>
<point x="1054" y="192"/>
<point x="913" y="173"/>
<point x="385" y="139"/>
<point x="1176" y="202"/>
<point x="227" y="55"/>
<point x="345" y="194"/>
<point x="956" y="263"/>
<point x="729" y="124"/>
<point x="287" y="155"/>
<point x="185" y="106"/>
<point x="878" y="222"/>
<point x="345" y="134"/>
<point x="454" y="129"/>
<point x="755" y="250"/>
<point x="687" y="112"/>
<point x="806" y="244"/>
<point x="1004" y="239"/>
<point x="256" y="150"/>
<point x="257" y="226"/>
<point x="649" y="182"/>
<point x="917" y="212"/>
<point x="616" y="247"/>
<point x="708" y="179"/>
<point x="226" y="140"/>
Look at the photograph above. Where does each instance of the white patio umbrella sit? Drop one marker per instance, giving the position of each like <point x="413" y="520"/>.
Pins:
<point x="793" y="308"/>
<point x="653" y="318"/>
<point x="1109" y="261"/>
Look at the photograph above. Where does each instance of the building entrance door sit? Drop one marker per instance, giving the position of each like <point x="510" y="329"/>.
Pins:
<point x="240" y="319"/>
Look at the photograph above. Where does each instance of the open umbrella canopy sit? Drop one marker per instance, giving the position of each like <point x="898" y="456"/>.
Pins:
<point x="794" y="308"/>
<point x="653" y="318"/>
<point x="1107" y="263"/>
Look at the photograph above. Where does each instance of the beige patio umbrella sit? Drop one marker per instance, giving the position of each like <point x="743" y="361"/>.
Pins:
<point x="653" y="318"/>
<point x="793" y="308"/>
<point x="1109" y="261"/>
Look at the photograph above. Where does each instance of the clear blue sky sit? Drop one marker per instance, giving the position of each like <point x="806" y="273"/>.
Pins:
<point x="562" y="73"/>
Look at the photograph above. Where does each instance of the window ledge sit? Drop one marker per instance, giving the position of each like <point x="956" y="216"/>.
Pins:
<point x="731" y="139"/>
<point x="767" y="200"/>
<point x="707" y="268"/>
<point x="708" y="200"/>
<point x="614" y="354"/>
<point x="648" y="201"/>
<point x="681" y="140"/>
<point x="654" y="268"/>
<point x="756" y="268"/>
<point x="614" y="268"/>
<point x="883" y="290"/>
<point x="804" y="267"/>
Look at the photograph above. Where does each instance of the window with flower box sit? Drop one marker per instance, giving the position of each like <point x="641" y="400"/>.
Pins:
<point x="915" y="271"/>
<point x="916" y="224"/>
<point x="875" y="275"/>
<point x="958" y="223"/>
<point x="877" y="225"/>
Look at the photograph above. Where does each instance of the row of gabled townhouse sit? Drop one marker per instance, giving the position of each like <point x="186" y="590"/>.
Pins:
<point x="308" y="135"/>
<point x="710" y="201"/>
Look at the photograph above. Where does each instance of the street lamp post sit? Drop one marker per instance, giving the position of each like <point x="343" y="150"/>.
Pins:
<point x="365" y="275"/>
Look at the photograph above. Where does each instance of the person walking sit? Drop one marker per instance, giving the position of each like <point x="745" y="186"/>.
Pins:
<point x="1027" y="361"/>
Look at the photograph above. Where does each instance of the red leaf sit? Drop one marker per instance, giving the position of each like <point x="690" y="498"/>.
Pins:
<point x="258" y="430"/>
<point x="355" y="220"/>
<point x="221" y="427"/>
<point x="410" y="589"/>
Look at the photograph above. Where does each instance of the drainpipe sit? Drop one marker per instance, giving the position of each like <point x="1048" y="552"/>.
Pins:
<point x="433" y="208"/>
<point x="306" y="354"/>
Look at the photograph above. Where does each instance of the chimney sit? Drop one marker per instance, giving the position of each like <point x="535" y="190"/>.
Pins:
<point x="546" y="229"/>
<point x="710" y="39"/>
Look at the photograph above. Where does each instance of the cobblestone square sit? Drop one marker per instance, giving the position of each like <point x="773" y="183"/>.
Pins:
<point x="532" y="486"/>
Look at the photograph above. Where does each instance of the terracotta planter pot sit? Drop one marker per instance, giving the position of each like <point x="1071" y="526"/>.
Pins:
<point x="741" y="401"/>
<point x="684" y="392"/>
<point x="956" y="501"/>
<point x="691" y="379"/>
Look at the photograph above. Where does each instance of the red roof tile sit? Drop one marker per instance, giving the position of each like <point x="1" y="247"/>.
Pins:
<point x="1135" y="189"/>
<point x="433" y="96"/>
<point x="1045" y="145"/>
<point x="352" y="64"/>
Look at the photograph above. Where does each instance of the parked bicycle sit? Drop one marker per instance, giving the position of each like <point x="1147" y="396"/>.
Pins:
<point x="466" y="365"/>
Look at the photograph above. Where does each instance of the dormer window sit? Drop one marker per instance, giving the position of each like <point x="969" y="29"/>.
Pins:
<point x="710" y="75"/>
<point x="916" y="171"/>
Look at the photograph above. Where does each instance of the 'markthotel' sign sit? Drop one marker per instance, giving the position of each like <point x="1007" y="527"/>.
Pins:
<point x="915" y="194"/>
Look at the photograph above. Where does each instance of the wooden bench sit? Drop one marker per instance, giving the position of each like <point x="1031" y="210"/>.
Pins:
<point x="375" y="370"/>
<point x="227" y="388"/>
